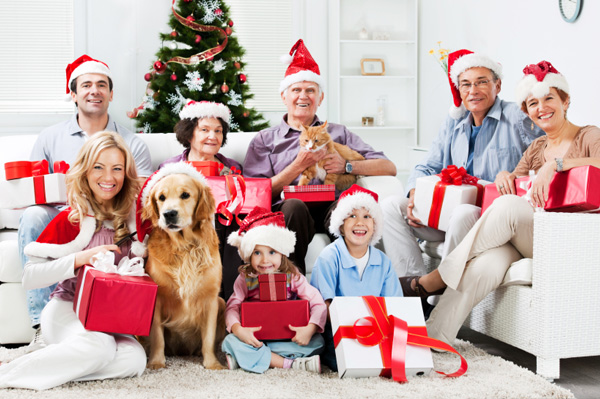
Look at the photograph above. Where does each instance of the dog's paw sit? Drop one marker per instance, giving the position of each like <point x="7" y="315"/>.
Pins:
<point x="155" y="365"/>
<point x="214" y="366"/>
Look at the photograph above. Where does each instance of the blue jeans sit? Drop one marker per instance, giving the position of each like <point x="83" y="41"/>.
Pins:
<point x="257" y="360"/>
<point x="33" y="221"/>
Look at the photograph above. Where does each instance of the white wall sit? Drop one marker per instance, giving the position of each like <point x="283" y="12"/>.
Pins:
<point x="515" y="33"/>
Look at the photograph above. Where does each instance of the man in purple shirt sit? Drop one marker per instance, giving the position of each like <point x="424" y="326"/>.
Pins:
<point x="275" y="152"/>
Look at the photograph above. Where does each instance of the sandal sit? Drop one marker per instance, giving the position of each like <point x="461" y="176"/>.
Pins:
<point x="406" y="283"/>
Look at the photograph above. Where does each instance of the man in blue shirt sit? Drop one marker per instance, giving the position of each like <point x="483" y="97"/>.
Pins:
<point x="483" y="133"/>
<point x="89" y="85"/>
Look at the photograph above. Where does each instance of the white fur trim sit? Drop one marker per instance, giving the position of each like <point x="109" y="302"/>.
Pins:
<point x="170" y="169"/>
<point x="457" y="112"/>
<point x="471" y="61"/>
<point x="279" y="238"/>
<point x="206" y="109"/>
<point x="529" y="85"/>
<point x="345" y="207"/>
<point x="55" y="251"/>
<point x="302" y="76"/>
<point x="140" y="248"/>
<point x="89" y="67"/>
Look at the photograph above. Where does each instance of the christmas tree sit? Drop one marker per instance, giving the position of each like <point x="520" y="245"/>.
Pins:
<point x="198" y="60"/>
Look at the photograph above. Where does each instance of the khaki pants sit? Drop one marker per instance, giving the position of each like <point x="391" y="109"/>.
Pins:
<point x="503" y="235"/>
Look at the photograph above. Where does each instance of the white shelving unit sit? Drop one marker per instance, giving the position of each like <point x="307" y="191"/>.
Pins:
<point x="354" y="95"/>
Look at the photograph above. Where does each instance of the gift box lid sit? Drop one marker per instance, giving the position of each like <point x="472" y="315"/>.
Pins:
<point x="208" y="168"/>
<point x="17" y="169"/>
<point x="265" y="278"/>
<point x="309" y="189"/>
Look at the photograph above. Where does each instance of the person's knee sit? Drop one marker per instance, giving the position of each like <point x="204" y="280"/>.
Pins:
<point x="294" y="209"/>
<point x="35" y="216"/>
<point x="465" y="216"/>
<point x="135" y="357"/>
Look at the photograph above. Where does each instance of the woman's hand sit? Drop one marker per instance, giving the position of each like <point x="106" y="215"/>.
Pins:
<point x="303" y="334"/>
<point x="505" y="183"/>
<point x="85" y="257"/>
<point x="539" y="189"/>
<point x="246" y="334"/>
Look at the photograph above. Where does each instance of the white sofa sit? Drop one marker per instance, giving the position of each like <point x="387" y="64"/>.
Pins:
<point x="14" y="320"/>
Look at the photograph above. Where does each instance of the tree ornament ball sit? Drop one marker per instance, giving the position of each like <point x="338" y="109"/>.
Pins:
<point x="224" y="88"/>
<point x="242" y="78"/>
<point x="160" y="66"/>
<point x="218" y="12"/>
<point x="191" y="18"/>
<point x="246" y="114"/>
<point x="148" y="77"/>
<point x="173" y="33"/>
<point x="198" y="39"/>
<point x="230" y="23"/>
<point x="173" y="77"/>
<point x="237" y="65"/>
<point x="228" y="31"/>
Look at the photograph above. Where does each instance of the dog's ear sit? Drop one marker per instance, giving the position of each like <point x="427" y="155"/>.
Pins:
<point x="205" y="207"/>
<point x="150" y="208"/>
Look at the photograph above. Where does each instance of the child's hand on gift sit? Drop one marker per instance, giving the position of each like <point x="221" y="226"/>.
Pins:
<point x="246" y="335"/>
<point x="303" y="334"/>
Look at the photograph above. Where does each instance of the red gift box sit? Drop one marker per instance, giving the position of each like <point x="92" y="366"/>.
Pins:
<point x="114" y="303"/>
<point x="17" y="170"/>
<point x="490" y="192"/>
<point x="311" y="193"/>
<point x="576" y="190"/>
<point x="274" y="318"/>
<point x="237" y="195"/>
<point x="272" y="287"/>
<point x="207" y="168"/>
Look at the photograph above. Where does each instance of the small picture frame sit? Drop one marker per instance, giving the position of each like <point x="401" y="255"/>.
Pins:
<point x="372" y="66"/>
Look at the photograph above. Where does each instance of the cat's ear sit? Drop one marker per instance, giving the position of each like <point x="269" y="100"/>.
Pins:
<point x="324" y="125"/>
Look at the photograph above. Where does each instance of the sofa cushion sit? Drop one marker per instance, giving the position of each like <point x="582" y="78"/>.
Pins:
<point x="10" y="264"/>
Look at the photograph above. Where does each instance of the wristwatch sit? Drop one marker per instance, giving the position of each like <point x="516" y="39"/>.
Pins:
<point x="559" y="164"/>
<point x="348" y="167"/>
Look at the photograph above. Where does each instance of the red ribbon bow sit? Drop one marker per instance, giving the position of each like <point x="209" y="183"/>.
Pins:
<point x="39" y="168"/>
<point x="454" y="176"/>
<point x="60" y="167"/>
<point x="226" y="215"/>
<point x="392" y="335"/>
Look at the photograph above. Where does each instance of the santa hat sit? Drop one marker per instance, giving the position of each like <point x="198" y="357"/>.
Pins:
<point x="357" y="197"/>
<point x="205" y="109"/>
<point x="302" y="67"/>
<point x="82" y="65"/>
<point x="538" y="80"/>
<point x="262" y="227"/>
<point x="458" y="62"/>
<point x="144" y="227"/>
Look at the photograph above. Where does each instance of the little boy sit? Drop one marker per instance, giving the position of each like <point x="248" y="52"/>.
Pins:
<point x="351" y="265"/>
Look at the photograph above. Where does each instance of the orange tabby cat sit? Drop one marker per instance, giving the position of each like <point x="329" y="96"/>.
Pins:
<point x="314" y="138"/>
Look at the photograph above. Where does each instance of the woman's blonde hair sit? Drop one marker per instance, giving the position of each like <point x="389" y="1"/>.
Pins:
<point x="79" y="193"/>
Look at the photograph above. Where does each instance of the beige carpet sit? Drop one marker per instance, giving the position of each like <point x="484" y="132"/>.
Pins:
<point x="488" y="377"/>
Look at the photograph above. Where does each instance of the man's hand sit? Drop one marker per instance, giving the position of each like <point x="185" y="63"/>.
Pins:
<point x="303" y="334"/>
<point x="412" y="220"/>
<point x="505" y="183"/>
<point x="305" y="158"/>
<point x="246" y="334"/>
<point x="334" y="164"/>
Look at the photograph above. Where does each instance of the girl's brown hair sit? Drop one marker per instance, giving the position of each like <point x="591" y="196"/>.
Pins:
<point x="287" y="266"/>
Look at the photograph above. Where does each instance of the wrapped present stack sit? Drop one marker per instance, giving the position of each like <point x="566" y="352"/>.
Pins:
<point x="312" y="194"/>
<point x="274" y="313"/>
<point x="30" y="183"/>
<point x="437" y="196"/>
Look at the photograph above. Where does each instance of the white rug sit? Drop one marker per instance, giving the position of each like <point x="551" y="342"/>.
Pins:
<point x="488" y="377"/>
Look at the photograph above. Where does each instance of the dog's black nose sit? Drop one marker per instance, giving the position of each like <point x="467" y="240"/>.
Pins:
<point x="170" y="216"/>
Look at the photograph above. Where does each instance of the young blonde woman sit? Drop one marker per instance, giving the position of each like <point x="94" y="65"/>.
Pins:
<point x="101" y="186"/>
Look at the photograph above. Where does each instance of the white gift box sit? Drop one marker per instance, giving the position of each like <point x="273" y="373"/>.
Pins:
<point x="355" y="360"/>
<point x="20" y="193"/>
<point x="453" y="197"/>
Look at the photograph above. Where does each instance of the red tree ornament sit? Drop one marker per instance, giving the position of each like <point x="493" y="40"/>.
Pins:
<point x="191" y="18"/>
<point x="242" y="78"/>
<point x="198" y="39"/>
<point x="237" y="65"/>
<point x="148" y="77"/>
<point x="246" y="114"/>
<point x="160" y="66"/>
<point x="228" y="31"/>
<point x="218" y="12"/>
<point x="173" y="33"/>
<point x="230" y="23"/>
<point x="224" y="88"/>
<point x="173" y="77"/>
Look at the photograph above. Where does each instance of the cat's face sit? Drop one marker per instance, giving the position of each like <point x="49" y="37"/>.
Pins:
<point x="314" y="138"/>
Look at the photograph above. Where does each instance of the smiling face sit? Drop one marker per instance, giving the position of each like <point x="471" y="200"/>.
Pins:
<point x="207" y="139"/>
<point x="107" y="176"/>
<point x="302" y="99"/>
<point x="265" y="260"/>
<point x="549" y="111"/>
<point x="357" y="230"/>
<point x="477" y="95"/>
<point x="93" y="94"/>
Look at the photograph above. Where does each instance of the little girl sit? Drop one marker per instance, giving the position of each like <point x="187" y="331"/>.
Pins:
<point x="264" y="244"/>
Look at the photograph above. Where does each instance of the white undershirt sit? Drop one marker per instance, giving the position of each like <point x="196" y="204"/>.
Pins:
<point x="361" y="263"/>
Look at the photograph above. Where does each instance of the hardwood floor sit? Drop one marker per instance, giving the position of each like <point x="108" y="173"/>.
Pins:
<point x="579" y="375"/>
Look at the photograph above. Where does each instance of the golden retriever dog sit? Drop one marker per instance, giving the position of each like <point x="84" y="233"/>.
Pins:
<point x="184" y="260"/>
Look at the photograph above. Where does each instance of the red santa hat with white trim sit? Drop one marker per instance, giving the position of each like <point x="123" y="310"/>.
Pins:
<point x="205" y="109"/>
<point x="143" y="226"/>
<point x="538" y="80"/>
<point x="262" y="227"/>
<point x="81" y="66"/>
<point x="458" y="62"/>
<point x="302" y="67"/>
<point x="357" y="197"/>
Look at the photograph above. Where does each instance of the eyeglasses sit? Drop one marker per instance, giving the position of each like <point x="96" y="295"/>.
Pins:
<point x="466" y="86"/>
